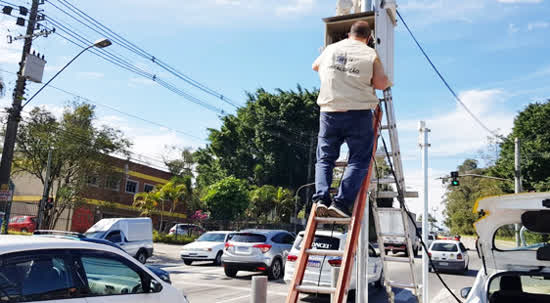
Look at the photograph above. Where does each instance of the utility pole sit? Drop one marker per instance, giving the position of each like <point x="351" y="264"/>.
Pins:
<point x="15" y="111"/>
<point x="424" y="146"/>
<point x="310" y="164"/>
<point x="45" y="193"/>
<point x="517" y="179"/>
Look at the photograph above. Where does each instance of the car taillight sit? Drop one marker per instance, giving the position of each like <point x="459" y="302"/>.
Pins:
<point x="459" y="257"/>
<point x="335" y="262"/>
<point x="227" y="245"/>
<point x="172" y="230"/>
<point x="430" y="254"/>
<point x="263" y="247"/>
<point x="291" y="258"/>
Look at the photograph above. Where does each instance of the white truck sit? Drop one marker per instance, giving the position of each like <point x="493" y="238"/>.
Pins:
<point x="134" y="235"/>
<point x="391" y="225"/>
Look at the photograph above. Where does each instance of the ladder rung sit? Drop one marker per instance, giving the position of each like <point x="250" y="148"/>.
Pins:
<point x="391" y="235"/>
<point x="341" y="164"/>
<point x="333" y="220"/>
<point x="316" y="289"/>
<point x="396" y="259"/>
<point x="402" y="285"/>
<point x="382" y="181"/>
<point x="392" y="194"/>
<point x="325" y="252"/>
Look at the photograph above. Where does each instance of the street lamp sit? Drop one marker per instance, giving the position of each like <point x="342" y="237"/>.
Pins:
<point x="296" y="203"/>
<point x="101" y="43"/>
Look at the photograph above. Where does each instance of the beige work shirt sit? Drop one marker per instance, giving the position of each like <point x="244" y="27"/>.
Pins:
<point x="345" y="70"/>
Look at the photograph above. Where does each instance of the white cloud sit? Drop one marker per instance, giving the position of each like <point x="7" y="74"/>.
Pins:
<point x="91" y="75"/>
<point x="295" y="7"/>
<point x="538" y="25"/>
<point x="9" y="52"/>
<point x="456" y="133"/>
<point x="520" y="1"/>
<point x="228" y="2"/>
<point x="139" y="81"/>
<point x="414" y="180"/>
<point x="512" y="28"/>
<point x="426" y="12"/>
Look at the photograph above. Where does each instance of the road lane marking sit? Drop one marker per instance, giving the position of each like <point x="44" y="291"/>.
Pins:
<point x="234" y="299"/>
<point x="183" y="283"/>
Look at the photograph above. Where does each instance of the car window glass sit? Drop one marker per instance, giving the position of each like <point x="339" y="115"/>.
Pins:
<point x="212" y="237"/>
<point x="248" y="238"/>
<point x="450" y="247"/>
<point x="528" y="287"/>
<point x="430" y="237"/>
<point x="462" y="247"/>
<point x="107" y="276"/>
<point x="323" y="242"/>
<point x="35" y="278"/>
<point x="505" y="238"/>
<point x="114" y="237"/>
<point x="288" y="239"/>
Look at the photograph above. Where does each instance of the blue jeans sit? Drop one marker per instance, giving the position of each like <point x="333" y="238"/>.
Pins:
<point x="356" y="129"/>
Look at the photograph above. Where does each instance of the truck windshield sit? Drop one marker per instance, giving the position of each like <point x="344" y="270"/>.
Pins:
<point x="94" y="234"/>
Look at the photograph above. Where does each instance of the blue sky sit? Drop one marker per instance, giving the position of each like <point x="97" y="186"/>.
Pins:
<point x="493" y="52"/>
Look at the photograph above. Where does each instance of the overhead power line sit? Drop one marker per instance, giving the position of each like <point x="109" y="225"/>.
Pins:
<point x="105" y="30"/>
<point x="495" y="134"/>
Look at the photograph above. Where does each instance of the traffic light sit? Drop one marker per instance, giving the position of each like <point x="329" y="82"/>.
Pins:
<point x="454" y="179"/>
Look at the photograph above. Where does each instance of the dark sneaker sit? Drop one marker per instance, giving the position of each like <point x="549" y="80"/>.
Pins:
<point x="322" y="208"/>
<point x="338" y="210"/>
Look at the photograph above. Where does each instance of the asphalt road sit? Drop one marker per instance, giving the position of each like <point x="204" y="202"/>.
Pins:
<point x="205" y="283"/>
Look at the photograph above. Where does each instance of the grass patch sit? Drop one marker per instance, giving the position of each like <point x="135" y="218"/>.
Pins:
<point x="171" y="239"/>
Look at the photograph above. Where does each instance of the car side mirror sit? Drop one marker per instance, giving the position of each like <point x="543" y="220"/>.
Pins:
<point x="465" y="292"/>
<point x="155" y="286"/>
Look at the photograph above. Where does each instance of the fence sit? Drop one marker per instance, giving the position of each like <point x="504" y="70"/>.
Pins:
<point x="20" y="209"/>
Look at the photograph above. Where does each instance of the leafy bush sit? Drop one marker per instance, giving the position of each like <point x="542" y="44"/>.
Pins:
<point x="171" y="239"/>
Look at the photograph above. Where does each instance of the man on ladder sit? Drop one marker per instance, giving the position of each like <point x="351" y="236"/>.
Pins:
<point x="350" y="71"/>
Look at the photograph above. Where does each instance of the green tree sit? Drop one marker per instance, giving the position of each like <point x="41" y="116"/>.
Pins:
<point x="182" y="166"/>
<point x="532" y="127"/>
<point x="284" y="205"/>
<point x="262" y="202"/>
<point x="227" y="199"/>
<point x="460" y="200"/>
<point x="80" y="150"/>
<point x="269" y="141"/>
<point x="149" y="202"/>
<point x="177" y="191"/>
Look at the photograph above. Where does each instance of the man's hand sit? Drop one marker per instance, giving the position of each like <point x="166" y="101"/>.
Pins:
<point x="379" y="78"/>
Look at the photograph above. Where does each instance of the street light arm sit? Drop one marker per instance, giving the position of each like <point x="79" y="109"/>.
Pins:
<point x="56" y="74"/>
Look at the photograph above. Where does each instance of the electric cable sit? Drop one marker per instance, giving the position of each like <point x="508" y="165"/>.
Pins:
<point x="139" y="51"/>
<point x="401" y="201"/>
<point x="495" y="134"/>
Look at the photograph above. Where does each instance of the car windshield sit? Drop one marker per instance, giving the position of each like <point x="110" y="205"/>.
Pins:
<point x="521" y="287"/>
<point x="322" y="242"/>
<point x="94" y="234"/>
<point x="505" y="238"/>
<point x="248" y="238"/>
<point x="212" y="237"/>
<point x="451" y="247"/>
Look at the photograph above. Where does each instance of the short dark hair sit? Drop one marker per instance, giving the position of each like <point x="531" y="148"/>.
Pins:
<point x="360" y="29"/>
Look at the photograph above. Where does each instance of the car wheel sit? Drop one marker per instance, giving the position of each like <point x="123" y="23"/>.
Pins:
<point x="141" y="257"/>
<point x="24" y="230"/>
<point x="380" y="282"/>
<point x="187" y="262"/>
<point x="218" y="260"/>
<point x="230" y="271"/>
<point x="275" y="271"/>
<point x="386" y="251"/>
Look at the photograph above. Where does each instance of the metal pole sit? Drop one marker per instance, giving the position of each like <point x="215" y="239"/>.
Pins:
<point x="15" y="111"/>
<point x="517" y="183"/>
<point x="366" y="5"/>
<point x="259" y="289"/>
<point x="361" y="290"/>
<point x="46" y="191"/>
<point x="424" y="146"/>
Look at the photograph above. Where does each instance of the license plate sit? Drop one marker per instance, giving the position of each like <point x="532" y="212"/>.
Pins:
<point x="443" y="263"/>
<point x="313" y="263"/>
<point x="192" y="254"/>
<point x="242" y="248"/>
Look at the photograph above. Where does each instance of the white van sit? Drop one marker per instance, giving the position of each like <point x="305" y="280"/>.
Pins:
<point x="134" y="235"/>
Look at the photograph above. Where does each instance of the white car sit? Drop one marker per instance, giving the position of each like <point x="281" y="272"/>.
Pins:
<point x="332" y="241"/>
<point x="208" y="247"/>
<point x="43" y="268"/>
<point x="512" y="273"/>
<point x="449" y="255"/>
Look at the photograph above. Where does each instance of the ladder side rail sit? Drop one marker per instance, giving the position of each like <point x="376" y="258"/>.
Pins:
<point x="382" y="250"/>
<point x="303" y="257"/>
<point x="406" y="229"/>
<point x="358" y="212"/>
<point x="394" y="140"/>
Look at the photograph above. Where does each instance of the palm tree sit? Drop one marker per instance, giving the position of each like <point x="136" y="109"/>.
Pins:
<point x="147" y="203"/>
<point x="178" y="190"/>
